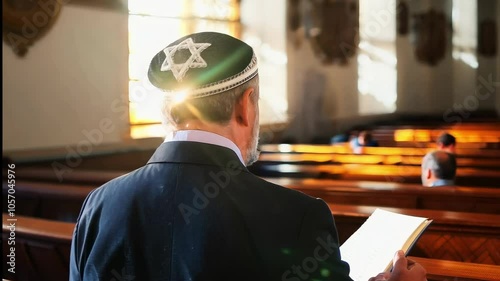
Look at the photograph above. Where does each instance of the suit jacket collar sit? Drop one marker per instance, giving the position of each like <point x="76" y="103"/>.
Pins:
<point x="196" y="153"/>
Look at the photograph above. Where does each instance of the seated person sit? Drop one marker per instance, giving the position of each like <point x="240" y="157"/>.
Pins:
<point x="339" y="138"/>
<point x="446" y="142"/>
<point x="363" y="139"/>
<point x="439" y="169"/>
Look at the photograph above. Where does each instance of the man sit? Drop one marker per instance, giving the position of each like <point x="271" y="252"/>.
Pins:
<point x="364" y="139"/>
<point x="439" y="168"/>
<point x="446" y="142"/>
<point x="195" y="212"/>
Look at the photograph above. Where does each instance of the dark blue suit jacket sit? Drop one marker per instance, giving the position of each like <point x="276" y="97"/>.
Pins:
<point x="194" y="212"/>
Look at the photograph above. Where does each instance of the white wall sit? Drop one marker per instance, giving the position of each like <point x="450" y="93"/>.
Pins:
<point x="422" y="88"/>
<point x="498" y="57"/>
<point x="264" y="30"/>
<point x="71" y="80"/>
<point x="488" y="66"/>
<point x="318" y="92"/>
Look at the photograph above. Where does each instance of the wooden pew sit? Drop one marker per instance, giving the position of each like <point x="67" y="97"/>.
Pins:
<point x="126" y="160"/>
<point x="478" y="135"/>
<point x="406" y="160"/>
<point x="458" y="236"/>
<point x="79" y="176"/>
<point x="370" y="172"/>
<point x="460" y="199"/>
<point x="443" y="270"/>
<point x="49" y="249"/>
<point x="42" y="249"/>
<point x="61" y="202"/>
<point x="345" y="149"/>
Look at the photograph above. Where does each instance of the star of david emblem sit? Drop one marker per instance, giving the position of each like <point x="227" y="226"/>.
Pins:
<point x="179" y="70"/>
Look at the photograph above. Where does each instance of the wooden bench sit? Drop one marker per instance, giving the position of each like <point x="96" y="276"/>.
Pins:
<point x="460" y="199"/>
<point x="478" y="135"/>
<point x="126" y="160"/>
<point x="458" y="236"/>
<point x="345" y="149"/>
<point x="406" y="160"/>
<point x="370" y="172"/>
<point x="44" y="249"/>
<point x="61" y="202"/>
<point x="443" y="270"/>
<point x="79" y="176"/>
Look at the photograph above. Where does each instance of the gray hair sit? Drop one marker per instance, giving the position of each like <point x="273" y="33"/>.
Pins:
<point x="442" y="164"/>
<point x="216" y="108"/>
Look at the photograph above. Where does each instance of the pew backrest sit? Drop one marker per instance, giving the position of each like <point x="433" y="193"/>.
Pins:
<point x="42" y="248"/>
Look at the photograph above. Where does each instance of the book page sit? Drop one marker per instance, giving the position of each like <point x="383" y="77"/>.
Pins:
<point x="369" y="251"/>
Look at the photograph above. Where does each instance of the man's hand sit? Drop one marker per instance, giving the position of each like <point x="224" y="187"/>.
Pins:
<point x="403" y="269"/>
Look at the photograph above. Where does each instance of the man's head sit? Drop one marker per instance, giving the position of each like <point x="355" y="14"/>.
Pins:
<point x="438" y="168"/>
<point x="446" y="142"/>
<point x="364" y="138"/>
<point x="211" y="83"/>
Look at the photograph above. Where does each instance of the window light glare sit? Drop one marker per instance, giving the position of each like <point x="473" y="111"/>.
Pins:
<point x="180" y="97"/>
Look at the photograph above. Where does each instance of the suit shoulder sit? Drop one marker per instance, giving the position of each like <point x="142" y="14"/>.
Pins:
<point x="284" y="193"/>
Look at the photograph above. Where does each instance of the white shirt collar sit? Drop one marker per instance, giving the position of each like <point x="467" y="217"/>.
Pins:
<point x="205" y="137"/>
<point x="442" y="182"/>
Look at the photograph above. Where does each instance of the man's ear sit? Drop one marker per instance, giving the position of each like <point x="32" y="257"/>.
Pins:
<point x="242" y="108"/>
<point x="428" y="174"/>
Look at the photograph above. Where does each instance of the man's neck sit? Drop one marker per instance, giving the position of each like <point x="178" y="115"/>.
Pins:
<point x="442" y="182"/>
<point x="228" y="131"/>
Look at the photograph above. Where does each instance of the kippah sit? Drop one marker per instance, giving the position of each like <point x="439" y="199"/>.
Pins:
<point x="203" y="64"/>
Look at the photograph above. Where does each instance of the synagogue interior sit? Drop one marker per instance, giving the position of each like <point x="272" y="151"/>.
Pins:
<point x="353" y="97"/>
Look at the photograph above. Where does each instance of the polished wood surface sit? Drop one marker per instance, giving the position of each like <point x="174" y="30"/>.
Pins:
<point x="79" y="176"/>
<point x="312" y="158"/>
<point x="58" y="201"/>
<point x="345" y="149"/>
<point x="61" y="202"/>
<point x="56" y="237"/>
<point x="457" y="271"/>
<point x="457" y="236"/>
<point x="391" y="194"/>
<point x="42" y="249"/>
<point x="384" y="173"/>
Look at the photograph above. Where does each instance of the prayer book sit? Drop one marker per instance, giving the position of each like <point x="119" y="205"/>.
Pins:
<point x="370" y="250"/>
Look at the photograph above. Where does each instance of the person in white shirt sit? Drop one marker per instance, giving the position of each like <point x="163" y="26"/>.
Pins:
<point x="439" y="169"/>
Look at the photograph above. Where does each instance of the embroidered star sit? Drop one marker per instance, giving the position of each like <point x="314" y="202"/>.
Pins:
<point x="179" y="70"/>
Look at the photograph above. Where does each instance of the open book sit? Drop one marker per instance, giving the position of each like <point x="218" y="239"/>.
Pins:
<point x="369" y="251"/>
